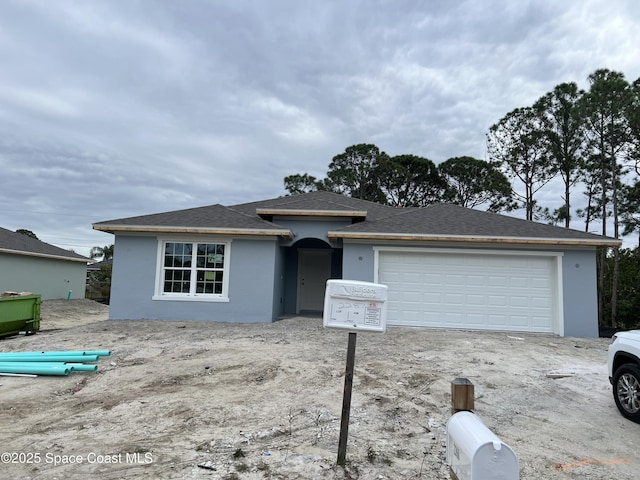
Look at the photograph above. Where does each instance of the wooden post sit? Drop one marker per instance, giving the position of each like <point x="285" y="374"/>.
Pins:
<point x="346" y="400"/>
<point x="461" y="395"/>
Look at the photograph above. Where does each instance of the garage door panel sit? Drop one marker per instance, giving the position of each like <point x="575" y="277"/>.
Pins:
<point x="542" y="303"/>
<point x="519" y="282"/>
<point x="498" y="321"/>
<point x="521" y="321"/>
<point x="431" y="278"/>
<point x="475" y="319"/>
<point x="497" y="301"/>
<point x="539" y="322"/>
<point x="497" y="281"/>
<point x="432" y="297"/>
<point x="475" y="280"/>
<point x="519" y="301"/>
<point x="454" y="299"/>
<point x="455" y="318"/>
<point x="455" y="279"/>
<point x="475" y="300"/>
<point x="475" y="290"/>
<point x="434" y="319"/>
<point x="410" y="294"/>
<point x="541" y="283"/>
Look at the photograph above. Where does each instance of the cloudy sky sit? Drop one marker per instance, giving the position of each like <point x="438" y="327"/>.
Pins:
<point x="111" y="109"/>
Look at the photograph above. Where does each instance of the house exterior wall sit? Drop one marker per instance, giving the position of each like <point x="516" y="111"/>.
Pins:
<point x="46" y="277"/>
<point x="358" y="262"/>
<point x="279" y="283"/>
<point x="580" y="292"/>
<point x="290" y="280"/>
<point x="252" y="284"/>
<point x="262" y="279"/>
<point x="578" y="288"/>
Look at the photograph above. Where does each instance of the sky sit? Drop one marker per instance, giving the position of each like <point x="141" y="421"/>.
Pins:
<point x="112" y="109"/>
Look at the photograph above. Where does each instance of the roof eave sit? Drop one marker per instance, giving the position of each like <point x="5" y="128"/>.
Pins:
<point x="45" y="255"/>
<point x="311" y="213"/>
<point x="193" y="230"/>
<point x="605" y="242"/>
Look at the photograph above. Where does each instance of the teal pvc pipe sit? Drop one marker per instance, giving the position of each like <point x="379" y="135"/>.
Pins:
<point x="80" y="367"/>
<point x="36" y="369"/>
<point x="36" y="364"/>
<point x="73" y="367"/>
<point x="99" y="353"/>
<point x="49" y="358"/>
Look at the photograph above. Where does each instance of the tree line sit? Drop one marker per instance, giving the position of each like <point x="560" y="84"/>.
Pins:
<point x="363" y="171"/>
<point x="588" y="138"/>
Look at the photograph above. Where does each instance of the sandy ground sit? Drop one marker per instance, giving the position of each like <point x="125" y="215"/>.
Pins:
<point x="256" y="401"/>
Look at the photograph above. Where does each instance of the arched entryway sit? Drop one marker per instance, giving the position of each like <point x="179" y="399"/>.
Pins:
<point x="310" y="263"/>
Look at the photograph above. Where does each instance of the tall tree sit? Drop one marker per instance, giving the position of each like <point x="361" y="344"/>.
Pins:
<point x="410" y="181"/>
<point x="607" y="105"/>
<point x="629" y="287"/>
<point x="630" y="209"/>
<point x="302" y="183"/>
<point x="352" y="172"/>
<point x="517" y="144"/>
<point x="555" y="217"/>
<point x="633" y="118"/>
<point x="473" y="182"/>
<point x="591" y="181"/>
<point x="560" y="114"/>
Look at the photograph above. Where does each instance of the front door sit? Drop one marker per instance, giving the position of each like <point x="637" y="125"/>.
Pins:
<point x="314" y="269"/>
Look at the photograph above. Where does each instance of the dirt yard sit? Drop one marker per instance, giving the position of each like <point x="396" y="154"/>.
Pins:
<point x="193" y="400"/>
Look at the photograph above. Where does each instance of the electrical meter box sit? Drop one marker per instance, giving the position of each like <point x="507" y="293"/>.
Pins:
<point x="475" y="453"/>
<point x="355" y="305"/>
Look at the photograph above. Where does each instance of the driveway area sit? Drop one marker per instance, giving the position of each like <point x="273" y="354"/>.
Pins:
<point x="196" y="400"/>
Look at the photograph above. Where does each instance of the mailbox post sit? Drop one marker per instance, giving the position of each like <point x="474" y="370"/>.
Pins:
<point x="353" y="305"/>
<point x="346" y="400"/>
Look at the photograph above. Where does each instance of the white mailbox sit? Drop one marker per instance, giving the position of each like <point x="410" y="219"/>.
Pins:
<point x="475" y="453"/>
<point x="355" y="305"/>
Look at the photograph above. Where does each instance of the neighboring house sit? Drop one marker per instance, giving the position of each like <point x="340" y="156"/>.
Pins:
<point x="99" y="280"/>
<point x="97" y="265"/>
<point x="444" y="265"/>
<point x="30" y="265"/>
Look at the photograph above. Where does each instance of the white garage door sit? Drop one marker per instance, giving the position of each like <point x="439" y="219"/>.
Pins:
<point x="512" y="292"/>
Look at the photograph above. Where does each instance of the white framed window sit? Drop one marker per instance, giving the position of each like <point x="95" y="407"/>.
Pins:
<point x="193" y="270"/>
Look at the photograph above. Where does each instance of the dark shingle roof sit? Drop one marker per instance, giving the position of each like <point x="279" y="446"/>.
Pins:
<point x="17" y="243"/>
<point x="318" y="201"/>
<point x="436" y="222"/>
<point x="450" y="221"/>
<point x="213" y="218"/>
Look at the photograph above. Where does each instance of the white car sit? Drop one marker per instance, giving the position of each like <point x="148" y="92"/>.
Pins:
<point x="624" y="373"/>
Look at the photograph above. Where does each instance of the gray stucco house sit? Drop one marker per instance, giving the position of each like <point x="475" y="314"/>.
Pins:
<point x="30" y="265"/>
<point x="444" y="265"/>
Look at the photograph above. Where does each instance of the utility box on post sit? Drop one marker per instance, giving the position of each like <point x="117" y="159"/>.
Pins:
<point x="475" y="453"/>
<point x="355" y="305"/>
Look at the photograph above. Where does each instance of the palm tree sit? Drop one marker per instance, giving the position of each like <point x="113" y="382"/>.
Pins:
<point x="105" y="252"/>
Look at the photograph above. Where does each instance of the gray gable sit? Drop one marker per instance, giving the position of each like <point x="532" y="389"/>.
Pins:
<point x="16" y="243"/>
